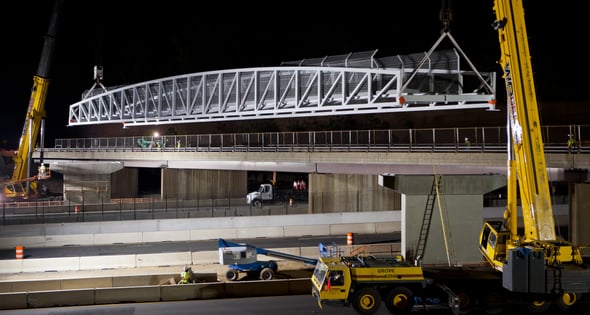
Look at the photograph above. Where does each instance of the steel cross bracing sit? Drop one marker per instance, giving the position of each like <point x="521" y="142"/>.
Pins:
<point x="294" y="91"/>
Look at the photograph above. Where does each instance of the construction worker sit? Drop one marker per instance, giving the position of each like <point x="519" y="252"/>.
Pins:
<point x="42" y="171"/>
<point x="571" y="142"/>
<point x="467" y="142"/>
<point x="186" y="275"/>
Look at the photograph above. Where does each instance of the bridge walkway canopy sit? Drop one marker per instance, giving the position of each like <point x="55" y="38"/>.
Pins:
<point x="356" y="83"/>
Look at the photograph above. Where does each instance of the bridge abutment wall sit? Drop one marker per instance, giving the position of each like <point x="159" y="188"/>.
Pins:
<point x="202" y="184"/>
<point x="350" y="193"/>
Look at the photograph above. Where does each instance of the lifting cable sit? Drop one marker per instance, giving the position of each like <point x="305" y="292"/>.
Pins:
<point x="446" y="16"/>
<point x="444" y="217"/>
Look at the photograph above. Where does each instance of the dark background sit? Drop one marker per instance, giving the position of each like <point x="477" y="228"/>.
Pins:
<point x="137" y="41"/>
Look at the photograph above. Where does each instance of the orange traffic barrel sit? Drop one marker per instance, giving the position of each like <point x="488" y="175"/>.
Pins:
<point x="20" y="253"/>
<point x="349" y="239"/>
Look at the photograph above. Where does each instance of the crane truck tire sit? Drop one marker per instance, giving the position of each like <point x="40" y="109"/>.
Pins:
<point x="539" y="305"/>
<point x="257" y="203"/>
<point x="267" y="274"/>
<point x="566" y="301"/>
<point x="231" y="275"/>
<point x="366" y="301"/>
<point x="400" y="300"/>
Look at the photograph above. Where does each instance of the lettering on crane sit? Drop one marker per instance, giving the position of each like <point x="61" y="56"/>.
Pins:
<point x="515" y="125"/>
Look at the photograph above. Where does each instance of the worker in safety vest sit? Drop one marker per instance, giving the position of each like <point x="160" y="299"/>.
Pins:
<point x="186" y="275"/>
<point x="571" y="142"/>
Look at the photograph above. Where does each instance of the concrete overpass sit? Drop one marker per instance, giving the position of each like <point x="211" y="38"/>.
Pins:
<point x="469" y="171"/>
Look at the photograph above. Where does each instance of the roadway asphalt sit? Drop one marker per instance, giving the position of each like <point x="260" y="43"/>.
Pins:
<point x="206" y="245"/>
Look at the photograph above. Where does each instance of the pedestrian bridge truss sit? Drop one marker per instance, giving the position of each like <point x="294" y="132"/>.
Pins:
<point x="356" y="83"/>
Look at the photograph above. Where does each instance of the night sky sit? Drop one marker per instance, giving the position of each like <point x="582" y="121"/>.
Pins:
<point x="137" y="41"/>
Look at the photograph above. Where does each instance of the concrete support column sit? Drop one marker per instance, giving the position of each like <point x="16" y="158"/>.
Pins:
<point x="87" y="189"/>
<point x="459" y="204"/>
<point x="579" y="201"/>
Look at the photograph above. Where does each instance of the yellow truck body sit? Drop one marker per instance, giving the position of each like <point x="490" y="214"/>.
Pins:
<point x="363" y="282"/>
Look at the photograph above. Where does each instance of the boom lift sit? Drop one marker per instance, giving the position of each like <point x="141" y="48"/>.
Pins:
<point x="243" y="258"/>
<point x="22" y="185"/>
<point x="535" y="262"/>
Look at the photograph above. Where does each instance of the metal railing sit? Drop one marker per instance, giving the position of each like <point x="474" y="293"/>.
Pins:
<point x="484" y="139"/>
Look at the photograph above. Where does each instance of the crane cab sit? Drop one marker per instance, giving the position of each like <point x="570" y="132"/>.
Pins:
<point x="492" y="243"/>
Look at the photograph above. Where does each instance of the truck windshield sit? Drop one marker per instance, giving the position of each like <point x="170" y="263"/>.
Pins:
<point x="320" y="272"/>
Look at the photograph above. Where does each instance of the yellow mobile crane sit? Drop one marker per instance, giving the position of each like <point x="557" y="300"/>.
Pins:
<point x="535" y="262"/>
<point x="23" y="185"/>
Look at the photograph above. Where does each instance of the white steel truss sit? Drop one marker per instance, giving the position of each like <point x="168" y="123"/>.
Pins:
<point x="395" y="85"/>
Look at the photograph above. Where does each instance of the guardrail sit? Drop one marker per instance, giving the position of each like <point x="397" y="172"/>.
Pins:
<point x="484" y="139"/>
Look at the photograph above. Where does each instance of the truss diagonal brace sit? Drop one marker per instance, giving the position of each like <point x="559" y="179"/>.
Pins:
<point x="433" y="48"/>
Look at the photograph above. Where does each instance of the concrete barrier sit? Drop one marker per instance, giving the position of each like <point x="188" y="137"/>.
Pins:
<point x="107" y="262"/>
<point x="342" y="229"/>
<point x="85" y="283"/>
<point x="166" y="236"/>
<point x="254" y="232"/>
<point x="132" y="261"/>
<point x="192" y="291"/>
<point x="11" y="266"/>
<point x="95" y="282"/>
<point x="35" y="285"/>
<point x="311" y="252"/>
<point x="26" y="241"/>
<point x="153" y="293"/>
<point x="127" y="294"/>
<point x="69" y="240"/>
<point x="298" y="230"/>
<point x="205" y="257"/>
<point x="118" y="238"/>
<point x="299" y="286"/>
<point x="60" y="298"/>
<point x="206" y="234"/>
<point x="9" y="301"/>
<point x="142" y="280"/>
<point x="256" y="288"/>
<point x="388" y="227"/>
<point x="164" y="259"/>
<point x="51" y="264"/>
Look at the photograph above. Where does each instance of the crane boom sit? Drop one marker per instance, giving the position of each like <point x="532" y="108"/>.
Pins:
<point x="527" y="157"/>
<point x="22" y="184"/>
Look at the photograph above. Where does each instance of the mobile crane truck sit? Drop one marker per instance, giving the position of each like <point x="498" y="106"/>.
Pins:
<point x="22" y="185"/>
<point x="535" y="265"/>
<point x="534" y="269"/>
<point x="363" y="282"/>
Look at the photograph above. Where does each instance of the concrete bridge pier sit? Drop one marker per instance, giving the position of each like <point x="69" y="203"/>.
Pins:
<point x="579" y="201"/>
<point x="86" y="182"/>
<point x="461" y="201"/>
